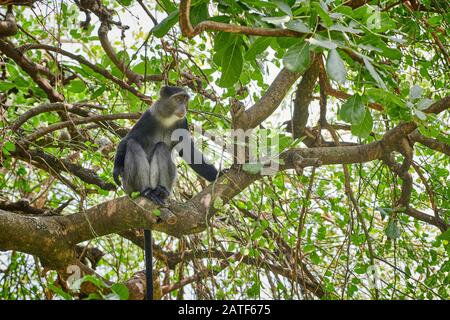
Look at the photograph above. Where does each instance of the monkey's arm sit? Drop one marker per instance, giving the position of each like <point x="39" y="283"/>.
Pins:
<point x="194" y="157"/>
<point x="198" y="163"/>
<point x="119" y="161"/>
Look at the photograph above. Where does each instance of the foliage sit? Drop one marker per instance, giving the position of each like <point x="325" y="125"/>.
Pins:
<point x="381" y="53"/>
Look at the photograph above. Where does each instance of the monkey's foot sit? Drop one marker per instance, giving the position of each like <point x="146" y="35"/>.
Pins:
<point x="153" y="196"/>
<point x="162" y="192"/>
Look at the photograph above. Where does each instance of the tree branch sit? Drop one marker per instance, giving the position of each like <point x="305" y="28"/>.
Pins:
<point x="32" y="69"/>
<point x="269" y="102"/>
<point x="92" y="66"/>
<point x="53" y="164"/>
<point x="189" y="31"/>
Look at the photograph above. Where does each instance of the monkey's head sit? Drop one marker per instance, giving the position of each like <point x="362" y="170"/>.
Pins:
<point x="173" y="102"/>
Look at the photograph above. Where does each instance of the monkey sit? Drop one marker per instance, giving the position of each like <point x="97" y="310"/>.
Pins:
<point x="143" y="157"/>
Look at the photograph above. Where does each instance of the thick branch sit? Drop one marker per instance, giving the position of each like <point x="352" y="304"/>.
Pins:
<point x="303" y="97"/>
<point x="269" y="102"/>
<point x="439" y="106"/>
<point x="124" y="214"/>
<point x="430" y="142"/>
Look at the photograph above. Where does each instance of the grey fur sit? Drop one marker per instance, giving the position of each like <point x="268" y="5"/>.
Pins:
<point x="144" y="156"/>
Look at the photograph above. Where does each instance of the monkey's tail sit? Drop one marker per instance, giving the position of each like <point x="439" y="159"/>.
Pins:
<point x="148" y="264"/>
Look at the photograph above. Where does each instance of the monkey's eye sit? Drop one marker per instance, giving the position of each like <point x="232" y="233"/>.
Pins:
<point x="181" y="99"/>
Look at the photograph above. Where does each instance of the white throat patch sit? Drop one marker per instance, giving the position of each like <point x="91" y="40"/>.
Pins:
<point x="168" y="122"/>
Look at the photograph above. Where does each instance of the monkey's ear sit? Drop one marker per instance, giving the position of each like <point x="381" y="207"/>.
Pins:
<point x="164" y="92"/>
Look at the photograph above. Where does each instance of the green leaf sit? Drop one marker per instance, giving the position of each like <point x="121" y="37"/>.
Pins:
<point x="121" y="290"/>
<point x="297" y="57"/>
<point x="156" y="212"/>
<point x="360" y="269"/>
<point x="364" y="128"/>
<point x="297" y="25"/>
<point x="126" y="3"/>
<point x="315" y="258"/>
<point x="335" y="66"/>
<point x="59" y="291"/>
<point x="232" y="62"/>
<point x="76" y="86"/>
<point x="218" y="203"/>
<point x="98" y="92"/>
<point x="161" y="29"/>
<point x="135" y="195"/>
<point x="419" y="114"/>
<point x="258" y="47"/>
<point x="392" y="230"/>
<point x="358" y="239"/>
<point x="322" y="14"/>
<point x="385" y="97"/>
<point x="5" y="86"/>
<point x="9" y="146"/>
<point x="254" y="290"/>
<point x="340" y="27"/>
<point x="283" y="7"/>
<point x="435" y="21"/>
<point x="424" y="103"/>
<point x="221" y="42"/>
<point x="374" y="73"/>
<point x="142" y="67"/>
<point x="94" y="280"/>
<point x="276" y="20"/>
<point x="445" y="235"/>
<point x="353" y="110"/>
<point x="167" y="5"/>
<point x="327" y="44"/>
<point x="199" y="13"/>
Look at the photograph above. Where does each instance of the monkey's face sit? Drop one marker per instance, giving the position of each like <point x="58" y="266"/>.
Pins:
<point x="177" y="105"/>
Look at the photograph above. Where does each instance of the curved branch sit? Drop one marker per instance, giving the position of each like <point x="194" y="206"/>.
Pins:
<point x="97" y="118"/>
<point x="92" y="66"/>
<point x="106" y="44"/>
<point x="189" y="31"/>
<point x="31" y="69"/>
<point x="439" y="106"/>
<point x="269" y="102"/>
<point x="48" y="107"/>
<point x="430" y="142"/>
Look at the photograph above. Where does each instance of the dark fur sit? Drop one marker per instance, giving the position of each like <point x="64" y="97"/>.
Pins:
<point x="143" y="157"/>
